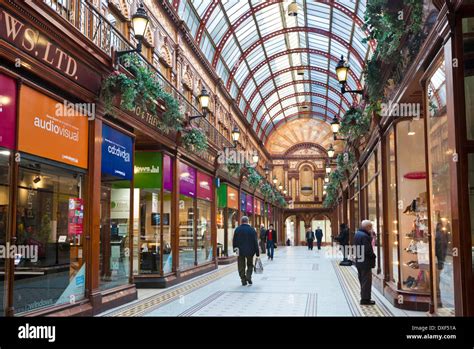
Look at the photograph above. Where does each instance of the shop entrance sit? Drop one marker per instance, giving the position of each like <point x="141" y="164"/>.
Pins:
<point x="290" y="226"/>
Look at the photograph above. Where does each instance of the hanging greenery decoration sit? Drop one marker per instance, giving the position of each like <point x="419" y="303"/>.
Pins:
<point x="354" y="124"/>
<point x="387" y="23"/>
<point x="253" y="177"/>
<point x="344" y="162"/>
<point x="194" y="139"/>
<point x="142" y="90"/>
<point x="234" y="168"/>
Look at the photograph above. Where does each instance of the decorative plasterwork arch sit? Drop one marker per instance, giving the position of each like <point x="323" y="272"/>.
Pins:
<point x="306" y="145"/>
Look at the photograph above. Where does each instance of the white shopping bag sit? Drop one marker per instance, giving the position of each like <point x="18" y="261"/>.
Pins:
<point x="258" y="268"/>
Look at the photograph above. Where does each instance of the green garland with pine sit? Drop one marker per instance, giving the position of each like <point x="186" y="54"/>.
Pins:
<point x="355" y="124"/>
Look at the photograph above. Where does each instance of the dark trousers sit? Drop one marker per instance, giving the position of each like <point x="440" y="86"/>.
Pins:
<point x="262" y="246"/>
<point x="243" y="261"/>
<point x="365" y="279"/>
<point x="310" y="244"/>
<point x="270" y="249"/>
<point x="318" y="242"/>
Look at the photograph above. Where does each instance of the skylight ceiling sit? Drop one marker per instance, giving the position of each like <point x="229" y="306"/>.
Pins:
<point x="259" y="50"/>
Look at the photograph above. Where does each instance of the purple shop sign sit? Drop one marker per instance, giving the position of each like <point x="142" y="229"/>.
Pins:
<point x="243" y="201"/>
<point x="187" y="180"/>
<point x="7" y="111"/>
<point x="167" y="173"/>
<point x="249" y="204"/>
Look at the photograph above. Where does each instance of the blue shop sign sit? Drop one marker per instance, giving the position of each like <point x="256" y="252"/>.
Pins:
<point x="116" y="153"/>
<point x="243" y="202"/>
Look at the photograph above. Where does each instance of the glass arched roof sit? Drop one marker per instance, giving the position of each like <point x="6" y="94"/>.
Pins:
<point x="279" y="67"/>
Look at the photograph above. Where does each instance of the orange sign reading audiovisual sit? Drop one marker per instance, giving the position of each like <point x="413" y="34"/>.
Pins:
<point x="45" y="130"/>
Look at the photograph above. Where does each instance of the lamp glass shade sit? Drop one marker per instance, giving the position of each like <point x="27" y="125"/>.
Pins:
<point x="328" y="170"/>
<point x="335" y="125"/>
<point x="284" y="191"/>
<point x="275" y="180"/>
<point x="326" y="179"/>
<point x="204" y="99"/>
<point x="235" y="134"/>
<point x="331" y="151"/>
<point x="139" y="22"/>
<point x="293" y="9"/>
<point x="341" y="71"/>
<point x="255" y="157"/>
<point x="280" y="186"/>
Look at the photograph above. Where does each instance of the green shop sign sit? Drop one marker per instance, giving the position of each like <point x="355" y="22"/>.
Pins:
<point x="148" y="173"/>
<point x="222" y="196"/>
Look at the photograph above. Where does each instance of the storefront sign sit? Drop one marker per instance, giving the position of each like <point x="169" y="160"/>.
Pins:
<point x="243" y="201"/>
<point x="117" y="151"/>
<point x="222" y="196"/>
<point x="147" y="169"/>
<point x="167" y="173"/>
<point x="45" y="132"/>
<point x="232" y="198"/>
<point x="415" y="175"/>
<point x="256" y="209"/>
<point x="75" y="216"/>
<point x="204" y="187"/>
<point x="249" y="204"/>
<point x="29" y="40"/>
<point x="262" y="208"/>
<point x="7" y="111"/>
<point x="187" y="180"/>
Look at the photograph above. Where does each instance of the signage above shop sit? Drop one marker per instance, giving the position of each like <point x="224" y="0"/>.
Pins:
<point x="29" y="40"/>
<point x="117" y="151"/>
<point x="232" y="198"/>
<point x="249" y="204"/>
<point x="204" y="186"/>
<point x="44" y="132"/>
<point x="147" y="169"/>
<point x="167" y="173"/>
<point x="187" y="180"/>
<point x="7" y="111"/>
<point x="243" y="201"/>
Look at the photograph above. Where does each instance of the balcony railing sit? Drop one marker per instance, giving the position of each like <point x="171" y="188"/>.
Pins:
<point x="94" y="26"/>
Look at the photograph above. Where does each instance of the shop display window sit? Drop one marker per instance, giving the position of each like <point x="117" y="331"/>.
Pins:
<point x="468" y="48"/>
<point x="412" y="207"/>
<point x="440" y="160"/>
<point x="116" y="209"/>
<point x="471" y="204"/>
<point x="380" y="238"/>
<point x="114" y="232"/>
<point x="204" y="242"/>
<point x="149" y="232"/>
<point x="50" y="270"/>
<point x="4" y="203"/>
<point x="232" y="224"/>
<point x="167" y="245"/>
<point x="186" y="232"/>
<point x="392" y="223"/>
<point x="220" y="232"/>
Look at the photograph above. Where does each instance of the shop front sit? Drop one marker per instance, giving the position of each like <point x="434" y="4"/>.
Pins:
<point x="227" y="222"/>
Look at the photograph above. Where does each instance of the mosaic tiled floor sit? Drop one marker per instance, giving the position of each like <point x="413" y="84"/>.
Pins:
<point x="298" y="282"/>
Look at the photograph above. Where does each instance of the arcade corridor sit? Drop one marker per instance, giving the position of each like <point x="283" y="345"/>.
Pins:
<point x="297" y="282"/>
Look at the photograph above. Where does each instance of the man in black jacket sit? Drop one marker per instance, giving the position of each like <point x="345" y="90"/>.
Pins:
<point x="262" y="238"/>
<point x="271" y="238"/>
<point x="246" y="244"/>
<point x="310" y="238"/>
<point x="343" y="240"/>
<point x="319" y="237"/>
<point x="365" y="261"/>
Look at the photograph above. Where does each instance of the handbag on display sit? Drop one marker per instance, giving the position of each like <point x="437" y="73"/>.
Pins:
<point x="258" y="268"/>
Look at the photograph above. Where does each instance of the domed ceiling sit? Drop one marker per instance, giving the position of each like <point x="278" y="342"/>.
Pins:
<point x="278" y="67"/>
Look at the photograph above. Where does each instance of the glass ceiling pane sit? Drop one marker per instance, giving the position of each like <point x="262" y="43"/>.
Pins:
<point x="266" y="21"/>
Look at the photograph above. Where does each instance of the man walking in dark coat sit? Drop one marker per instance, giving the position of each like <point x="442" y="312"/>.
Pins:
<point x="343" y="239"/>
<point x="271" y="238"/>
<point x="246" y="244"/>
<point x="365" y="261"/>
<point x="262" y="238"/>
<point x="310" y="238"/>
<point x="319" y="237"/>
